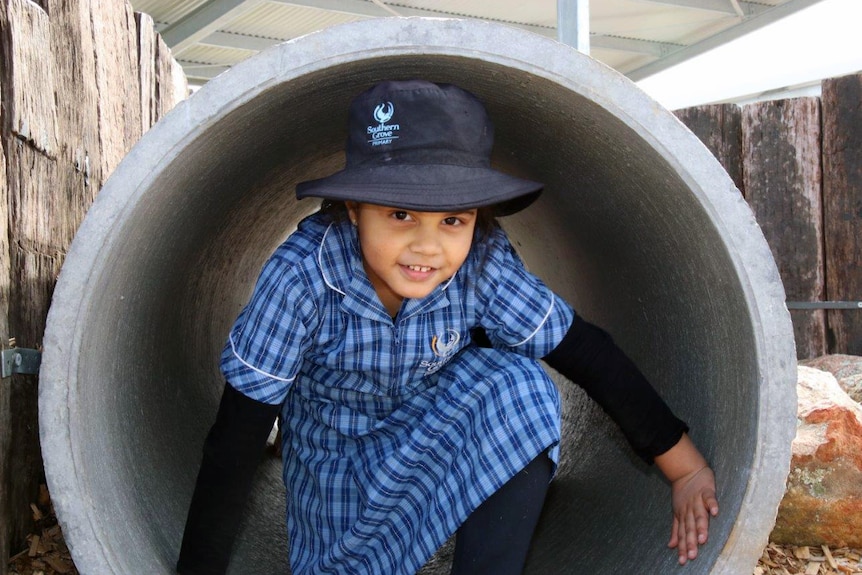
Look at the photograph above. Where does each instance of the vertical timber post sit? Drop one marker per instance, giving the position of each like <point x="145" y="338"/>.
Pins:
<point x="782" y="179"/>
<point x="5" y="410"/>
<point x="842" y="194"/>
<point x="71" y="108"/>
<point x="719" y="127"/>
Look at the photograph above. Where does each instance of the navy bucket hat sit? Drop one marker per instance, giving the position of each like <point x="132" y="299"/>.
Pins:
<point x="423" y="146"/>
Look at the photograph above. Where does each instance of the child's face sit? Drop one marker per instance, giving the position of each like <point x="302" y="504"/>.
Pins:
<point x="406" y="253"/>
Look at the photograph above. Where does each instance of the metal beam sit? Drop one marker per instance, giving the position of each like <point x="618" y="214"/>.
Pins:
<point x="721" y="6"/>
<point x="573" y="24"/>
<point x="634" y="45"/>
<point x="196" y="71"/>
<point x="356" y="8"/>
<point x="199" y="23"/>
<point x="201" y="27"/>
<point x="363" y="8"/>
<point x="238" y="41"/>
<point x="752" y="24"/>
<point x="367" y="9"/>
<point x="737" y="7"/>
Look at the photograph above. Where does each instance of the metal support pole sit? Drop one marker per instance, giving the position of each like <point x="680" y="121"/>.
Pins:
<point x="824" y="305"/>
<point x="573" y="24"/>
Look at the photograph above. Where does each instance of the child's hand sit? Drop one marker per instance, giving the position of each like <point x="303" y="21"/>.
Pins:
<point x="693" y="498"/>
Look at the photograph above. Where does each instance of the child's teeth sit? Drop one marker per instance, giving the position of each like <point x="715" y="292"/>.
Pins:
<point x="419" y="268"/>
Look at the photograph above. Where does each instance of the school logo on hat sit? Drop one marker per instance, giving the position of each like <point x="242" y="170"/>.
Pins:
<point x="383" y="112"/>
<point x="383" y="133"/>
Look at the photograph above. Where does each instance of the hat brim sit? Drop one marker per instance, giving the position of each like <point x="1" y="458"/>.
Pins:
<point x="426" y="188"/>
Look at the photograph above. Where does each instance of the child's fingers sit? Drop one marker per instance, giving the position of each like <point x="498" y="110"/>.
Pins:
<point x="674" y="536"/>
<point x="681" y="543"/>
<point x="710" y="507"/>
<point x="691" y="522"/>
<point x="690" y="534"/>
<point x="691" y="531"/>
<point x="711" y="503"/>
<point x="701" y="519"/>
<point x="681" y="533"/>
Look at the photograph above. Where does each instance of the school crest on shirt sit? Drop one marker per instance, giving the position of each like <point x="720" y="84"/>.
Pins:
<point x="443" y="345"/>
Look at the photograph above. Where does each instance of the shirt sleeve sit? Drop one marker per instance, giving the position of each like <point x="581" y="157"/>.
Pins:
<point x="266" y="345"/>
<point x="516" y="309"/>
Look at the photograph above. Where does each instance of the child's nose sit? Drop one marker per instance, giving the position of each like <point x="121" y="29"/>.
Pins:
<point x="426" y="240"/>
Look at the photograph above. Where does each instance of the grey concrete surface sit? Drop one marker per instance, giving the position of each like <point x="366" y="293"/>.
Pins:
<point x="639" y="227"/>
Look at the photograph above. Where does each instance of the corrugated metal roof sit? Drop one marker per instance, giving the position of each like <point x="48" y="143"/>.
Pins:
<point x="636" y="37"/>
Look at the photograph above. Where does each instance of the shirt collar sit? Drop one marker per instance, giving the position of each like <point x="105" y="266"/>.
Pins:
<point x="340" y="261"/>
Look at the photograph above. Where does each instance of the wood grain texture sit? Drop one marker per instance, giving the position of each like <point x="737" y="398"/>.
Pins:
<point x="842" y="193"/>
<point x="72" y="90"/>
<point x="163" y="82"/>
<point x="74" y="63"/>
<point x="31" y="113"/>
<point x="5" y="405"/>
<point x="782" y="178"/>
<point x="719" y="127"/>
<point x="115" y="40"/>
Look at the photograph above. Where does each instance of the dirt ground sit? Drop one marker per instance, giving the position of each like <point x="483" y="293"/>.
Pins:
<point x="47" y="553"/>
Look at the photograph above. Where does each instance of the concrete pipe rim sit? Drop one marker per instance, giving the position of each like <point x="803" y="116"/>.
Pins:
<point x="511" y="49"/>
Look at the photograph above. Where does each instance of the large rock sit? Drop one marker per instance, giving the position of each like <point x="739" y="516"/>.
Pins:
<point x="847" y="369"/>
<point x="823" y="501"/>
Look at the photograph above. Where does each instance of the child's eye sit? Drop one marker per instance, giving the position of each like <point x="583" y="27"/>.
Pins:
<point x="452" y="221"/>
<point x="401" y="215"/>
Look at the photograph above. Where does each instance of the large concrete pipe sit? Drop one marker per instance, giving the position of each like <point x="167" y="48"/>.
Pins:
<point x="639" y="227"/>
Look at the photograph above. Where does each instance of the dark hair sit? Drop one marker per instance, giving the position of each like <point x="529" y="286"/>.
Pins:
<point x="334" y="210"/>
<point x="486" y="222"/>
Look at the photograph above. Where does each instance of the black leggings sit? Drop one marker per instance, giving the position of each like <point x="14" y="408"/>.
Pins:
<point x="495" y="538"/>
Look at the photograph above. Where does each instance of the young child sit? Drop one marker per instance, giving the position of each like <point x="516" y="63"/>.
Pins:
<point x="361" y="335"/>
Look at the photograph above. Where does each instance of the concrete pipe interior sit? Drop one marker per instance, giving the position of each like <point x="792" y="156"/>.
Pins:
<point x="638" y="227"/>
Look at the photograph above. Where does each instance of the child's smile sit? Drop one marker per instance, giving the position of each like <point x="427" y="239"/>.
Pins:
<point x="407" y="253"/>
<point x="418" y="273"/>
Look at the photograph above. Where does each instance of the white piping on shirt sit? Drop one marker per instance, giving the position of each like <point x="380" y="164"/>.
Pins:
<point x="320" y="262"/>
<point x="253" y="368"/>
<point x="450" y="280"/>
<point x="535" y="331"/>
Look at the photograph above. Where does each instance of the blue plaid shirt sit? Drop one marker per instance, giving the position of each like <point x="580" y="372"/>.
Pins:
<point x="316" y="337"/>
